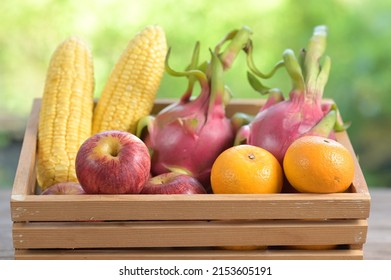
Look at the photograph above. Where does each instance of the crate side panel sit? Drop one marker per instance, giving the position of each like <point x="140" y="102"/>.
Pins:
<point x="24" y="182"/>
<point x="187" y="234"/>
<point x="172" y="254"/>
<point x="359" y="184"/>
<point x="185" y="207"/>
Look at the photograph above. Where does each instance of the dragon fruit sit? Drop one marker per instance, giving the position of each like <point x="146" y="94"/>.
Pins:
<point x="280" y="121"/>
<point x="187" y="136"/>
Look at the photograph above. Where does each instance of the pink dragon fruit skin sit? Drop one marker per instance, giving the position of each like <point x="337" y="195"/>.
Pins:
<point x="194" y="149"/>
<point x="280" y="121"/>
<point x="276" y="127"/>
<point x="188" y="136"/>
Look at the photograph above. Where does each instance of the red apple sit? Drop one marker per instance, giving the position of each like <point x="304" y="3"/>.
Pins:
<point x="173" y="183"/>
<point x="113" y="162"/>
<point x="64" y="188"/>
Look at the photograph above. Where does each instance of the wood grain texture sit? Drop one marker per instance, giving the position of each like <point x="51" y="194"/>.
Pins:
<point x="185" y="207"/>
<point x="187" y="234"/>
<point x="25" y="177"/>
<point x="377" y="246"/>
<point x="194" y="254"/>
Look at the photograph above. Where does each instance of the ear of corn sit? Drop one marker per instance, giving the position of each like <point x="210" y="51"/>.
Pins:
<point x="66" y="112"/>
<point x="133" y="84"/>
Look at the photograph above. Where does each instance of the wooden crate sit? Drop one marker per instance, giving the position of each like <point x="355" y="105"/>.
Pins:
<point x="184" y="226"/>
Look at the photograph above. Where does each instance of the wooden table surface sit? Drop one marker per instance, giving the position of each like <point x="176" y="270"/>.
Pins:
<point x="377" y="246"/>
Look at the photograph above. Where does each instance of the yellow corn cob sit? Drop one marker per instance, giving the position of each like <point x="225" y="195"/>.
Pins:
<point x="132" y="86"/>
<point x="65" y="118"/>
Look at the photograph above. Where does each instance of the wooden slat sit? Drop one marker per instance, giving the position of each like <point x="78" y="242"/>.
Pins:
<point x="186" y="234"/>
<point x="24" y="182"/>
<point x="376" y="247"/>
<point x="359" y="184"/>
<point x="211" y="254"/>
<point x="185" y="207"/>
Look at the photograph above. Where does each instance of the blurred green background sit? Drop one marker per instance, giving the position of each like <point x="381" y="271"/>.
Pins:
<point x="359" y="44"/>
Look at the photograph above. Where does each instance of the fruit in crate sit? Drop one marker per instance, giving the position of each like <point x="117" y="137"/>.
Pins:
<point x="317" y="164"/>
<point x="67" y="117"/>
<point x="173" y="183"/>
<point x="188" y="135"/>
<point x="132" y="86"/>
<point x="66" y="112"/>
<point x="64" y="188"/>
<point x="279" y="122"/>
<point x="246" y="169"/>
<point x="113" y="162"/>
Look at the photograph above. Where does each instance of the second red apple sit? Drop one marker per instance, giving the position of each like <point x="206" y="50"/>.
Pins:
<point x="173" y="183"/>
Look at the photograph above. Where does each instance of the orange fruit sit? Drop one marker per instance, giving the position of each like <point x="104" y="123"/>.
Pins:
<point x="317" y="164"/>
<point x="246" y="169"/>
